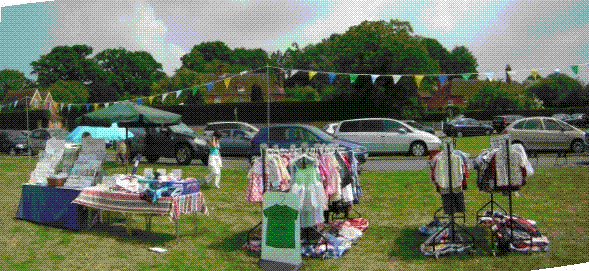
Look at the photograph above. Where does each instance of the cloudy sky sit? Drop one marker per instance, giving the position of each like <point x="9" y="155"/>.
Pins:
<point x="527" y="35"/>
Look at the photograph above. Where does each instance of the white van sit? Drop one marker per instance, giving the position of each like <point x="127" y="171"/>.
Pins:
<point x="383" y="136"/>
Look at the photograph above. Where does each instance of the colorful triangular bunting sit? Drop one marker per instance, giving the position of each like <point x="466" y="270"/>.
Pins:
<point x="534" y="74"/>
<point x="490" y="76"/>
<point x="575" y="68"/>
<point x="209" y="86"/>
<point x="227" y="81"/>
<point x="164" y="97"/>
<point x="178" y="93"/>
<point x="418" y="79"/>
<point x="311" y="75"/>
<point x="150" y="99"/>
<point x="95" y="106"/>
<point x="139" y="101"/>
<point x="194" y="90"/>
<point x="396" y="78"/>
<point x="442" y="79"/>
<point x="353" y="78"/>
<point x="88" y="107"/>
<point x="466" y="76"/>
<point x="374" y="77"/>
<point x="331" y="77"/>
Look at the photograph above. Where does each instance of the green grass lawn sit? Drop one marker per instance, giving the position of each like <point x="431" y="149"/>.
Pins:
<point x="395" y="203"/>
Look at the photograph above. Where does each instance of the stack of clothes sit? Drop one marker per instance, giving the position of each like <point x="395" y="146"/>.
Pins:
<point x="526" y="237"/>
<point x="439" y="241"/>
<point x="337" y="238"/>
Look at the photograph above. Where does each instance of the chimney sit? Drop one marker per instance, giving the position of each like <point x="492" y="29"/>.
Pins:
<point x="507" y="77"/>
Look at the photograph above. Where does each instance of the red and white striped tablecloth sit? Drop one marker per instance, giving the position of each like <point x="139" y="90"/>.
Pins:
<point x="119" y="201"/>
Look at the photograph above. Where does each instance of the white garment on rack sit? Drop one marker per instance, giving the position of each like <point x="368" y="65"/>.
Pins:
<point x="515" y="161"/>
<point x="441" y="172"/>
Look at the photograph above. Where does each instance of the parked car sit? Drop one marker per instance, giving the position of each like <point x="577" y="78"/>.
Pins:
<point x="579" y="120"/>
<point x="500" y="122"/>
<point x="544" y="134"/>
<point x="381" y="135"/>
<point x="420" y="126"/>
<point x="229" y="125"/>
<point x="38" y="137"/>
<point x="330" y="128"/>
<point x="13" y="142"/>
<point x="178" y="141"/>
<point x="235" y="142"/>
<point x="466" y="127"/>
<point x="287" y="135"/>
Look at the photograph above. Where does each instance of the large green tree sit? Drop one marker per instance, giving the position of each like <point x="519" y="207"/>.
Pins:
<point x="136" y="69"/>
<point x="207" y="57"/>
<point x="69" y="92"/>
<point x="11" y="80"/>
<point x="559" y="90"/>
<point x="496" y="95"/>
<point x="66" y="63"/>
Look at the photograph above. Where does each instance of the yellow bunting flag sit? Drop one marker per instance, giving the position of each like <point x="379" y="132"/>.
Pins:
<point x="150" y="98"/>
<point x="311" y="75"/>
<point x="418" y="79"/>
<point x="227" y="81"/>
<point x="535" y="74"/>
<point x="95" y="106"/>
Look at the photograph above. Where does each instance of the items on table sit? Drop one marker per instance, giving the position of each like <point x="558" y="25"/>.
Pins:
<point x="152" y="189"/>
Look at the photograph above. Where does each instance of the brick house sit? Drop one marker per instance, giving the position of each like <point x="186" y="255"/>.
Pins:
<point x="36" y="99"/>
<point x="241" y="86"/>
<point x="454" y="92"/>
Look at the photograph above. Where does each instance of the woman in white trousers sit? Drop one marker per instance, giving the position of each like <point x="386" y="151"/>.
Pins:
<point x="215" y="163"/>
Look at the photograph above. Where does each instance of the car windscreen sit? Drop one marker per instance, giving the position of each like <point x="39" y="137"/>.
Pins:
<point x="15" y="135"/>
<point x="182" y="129"/>
<point x="321" y="134"/>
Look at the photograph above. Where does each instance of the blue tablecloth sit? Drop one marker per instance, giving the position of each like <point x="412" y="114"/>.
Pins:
<point x="51" y="206"/>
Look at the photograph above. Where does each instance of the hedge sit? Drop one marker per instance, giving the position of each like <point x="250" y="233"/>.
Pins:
<point x="304" y="112"/>
<point x="16" y="119"/>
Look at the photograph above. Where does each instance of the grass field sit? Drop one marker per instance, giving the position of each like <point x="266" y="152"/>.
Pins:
<point x="395" y="203"/>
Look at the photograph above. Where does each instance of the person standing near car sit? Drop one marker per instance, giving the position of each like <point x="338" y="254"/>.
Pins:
<point x="215" y="163"/>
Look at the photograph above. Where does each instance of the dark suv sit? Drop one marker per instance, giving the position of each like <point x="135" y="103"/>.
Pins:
<point x="178" y="141"/>
<point x="500" y="122"/>
<point x="13" y="142"/>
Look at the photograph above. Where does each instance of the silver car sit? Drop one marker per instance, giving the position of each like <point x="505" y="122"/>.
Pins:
<point x="380" y="135"/>
<point x="544" y="134"/>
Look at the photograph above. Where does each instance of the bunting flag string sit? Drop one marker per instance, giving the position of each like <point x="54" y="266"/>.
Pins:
<point x="95" y="106"/>
<point x="418" y="79"/>
<point x="331" y="78"/>
<point x="69" y="107"/>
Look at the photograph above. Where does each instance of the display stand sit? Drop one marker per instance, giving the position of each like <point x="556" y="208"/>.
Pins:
<point x="504" y="143"/>
<point x="452" y="225"/>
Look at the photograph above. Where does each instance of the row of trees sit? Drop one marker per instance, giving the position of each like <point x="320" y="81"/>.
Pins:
<point x="74" y="74"/>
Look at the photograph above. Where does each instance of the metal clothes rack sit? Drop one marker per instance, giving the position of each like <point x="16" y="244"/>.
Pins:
<point x="452" y="225"/>
<point x="303" y="150"/>
<point x="495" y="143"/>
<point x="504" y="143"/>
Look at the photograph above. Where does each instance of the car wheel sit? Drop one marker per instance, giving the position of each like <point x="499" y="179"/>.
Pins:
<point x="183" y="155"/>
<point x="459" y="134"/>
<point x="418" y="149"/>
<point x="577" y="146"/>
<point x="12" y="152"/>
